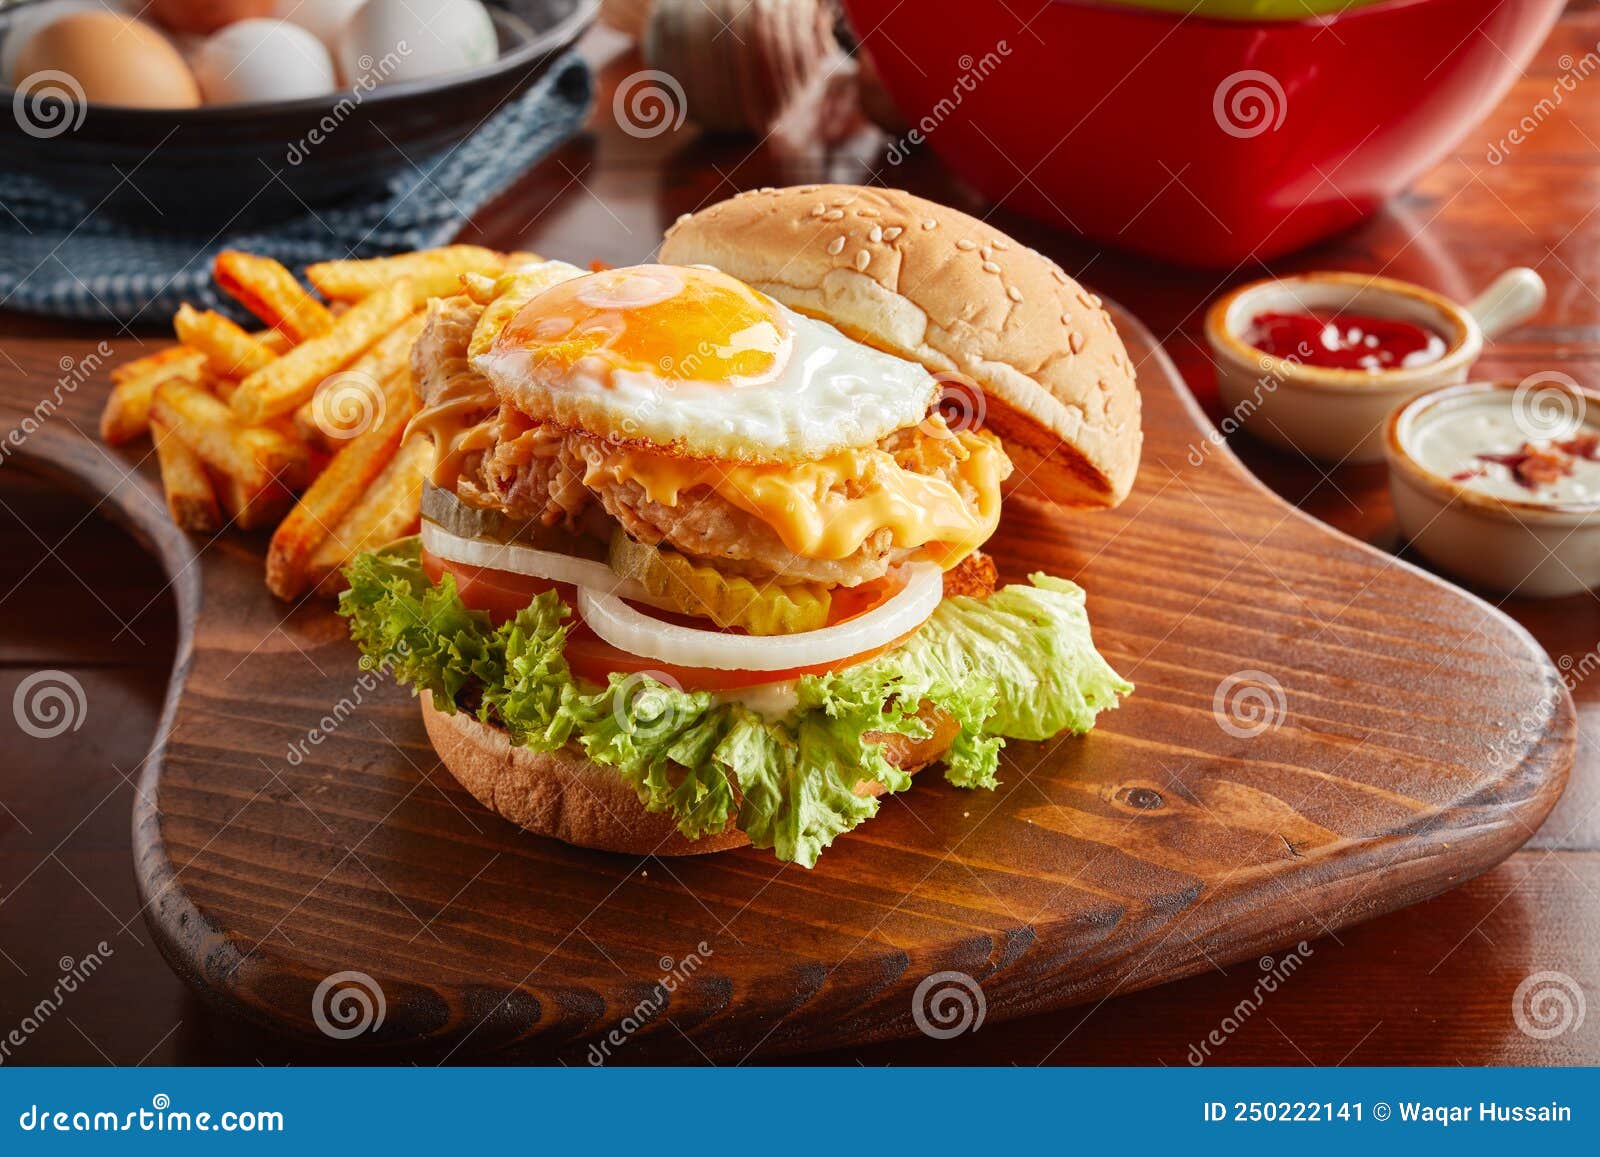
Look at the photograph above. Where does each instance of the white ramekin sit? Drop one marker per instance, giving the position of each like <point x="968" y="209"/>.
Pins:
<point x="1338" y="415"/>
<point x="1534" y="549"/>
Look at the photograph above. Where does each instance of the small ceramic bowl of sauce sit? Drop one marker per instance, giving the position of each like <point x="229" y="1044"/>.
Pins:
<point x="1499" y="482"/>
<point x="1316" y="362"/>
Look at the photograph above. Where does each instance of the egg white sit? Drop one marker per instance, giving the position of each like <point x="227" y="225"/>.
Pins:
<point x="826" y="392"/>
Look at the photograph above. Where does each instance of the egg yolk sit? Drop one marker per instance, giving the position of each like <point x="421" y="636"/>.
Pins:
<point x="670" y="322"/>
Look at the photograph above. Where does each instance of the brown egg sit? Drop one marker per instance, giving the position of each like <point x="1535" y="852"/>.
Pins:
<point x="114" y="59"/>
<point x="205" y="16"/>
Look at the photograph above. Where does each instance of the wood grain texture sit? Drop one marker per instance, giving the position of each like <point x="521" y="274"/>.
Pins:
<point x="1421" y="738"/>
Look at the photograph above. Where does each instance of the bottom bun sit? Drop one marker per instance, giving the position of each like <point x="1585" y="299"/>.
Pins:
<point x="560" y="793"/>
<point x="570" y="797"/>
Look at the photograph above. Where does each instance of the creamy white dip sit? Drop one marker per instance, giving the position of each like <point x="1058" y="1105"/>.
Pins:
<point x="1449" y="438"/>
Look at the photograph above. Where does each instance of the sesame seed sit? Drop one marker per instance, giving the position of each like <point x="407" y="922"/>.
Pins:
<point x="1014" y="293"/>
<point x="682" y="217"/>
<point x="1000" y="245"/>
<point x="966" y="245"/>
<point x="866" y="211"/>
<point x="990" y="267"/>
<point x="1066" y="319"/>
<point x="877" y="234"/>
<point x="1058" y="275"/>
<point x="818" y="209"/>
<point x="833" y="214"/>
<point x="1094" y="301"/>
<point x="768" y="189"/>
<point x="843" y="200"/>
<point x="1075" y="342"/>
<point x="892" y="232"/>
<point x="836" y="246"/>
<point x="863" y="259"/>
<point x="929" y="223"/>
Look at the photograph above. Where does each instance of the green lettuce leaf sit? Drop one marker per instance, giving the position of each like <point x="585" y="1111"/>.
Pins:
<point x="1018" y="664"/>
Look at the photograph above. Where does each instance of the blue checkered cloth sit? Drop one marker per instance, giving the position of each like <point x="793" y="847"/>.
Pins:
<point x="54" y="262"/>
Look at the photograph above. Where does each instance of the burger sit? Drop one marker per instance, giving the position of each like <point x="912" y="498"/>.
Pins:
<point x="700" y="562"/>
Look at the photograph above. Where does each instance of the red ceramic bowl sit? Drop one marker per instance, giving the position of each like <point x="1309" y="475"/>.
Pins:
<point x="1199" y="141"/>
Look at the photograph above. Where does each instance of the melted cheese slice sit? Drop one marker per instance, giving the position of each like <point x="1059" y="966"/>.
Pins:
<point x="827" y="508"/>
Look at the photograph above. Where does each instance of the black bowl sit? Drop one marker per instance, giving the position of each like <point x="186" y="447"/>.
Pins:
<point x="246" y="163"/>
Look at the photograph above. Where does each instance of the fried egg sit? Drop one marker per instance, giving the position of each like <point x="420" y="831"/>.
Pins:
<point x="692" y="360"/>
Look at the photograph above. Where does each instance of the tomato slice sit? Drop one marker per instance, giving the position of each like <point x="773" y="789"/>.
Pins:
<point x="592" y="659"/>
<point x="500" y="593"/>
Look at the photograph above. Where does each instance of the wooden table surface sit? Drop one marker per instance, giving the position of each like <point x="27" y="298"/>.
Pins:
<point x="1432" y="984"/>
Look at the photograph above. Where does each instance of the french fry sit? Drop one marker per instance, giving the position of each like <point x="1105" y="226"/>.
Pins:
<point x="284" y="384"/>
<point x="272" y="293"/>
<point x="275" y="340"/>
<point x="126" y="414"/>
<point x="336" y="490"/>
<point x="253" y="508"/>
<point x="150" y="363"/>
<point x="228" y="349"/>
<point x="480" y="289"/>
<point x="318" y="421"/>
<point x="190" y="496"/>
<point x="305" y="421"/>
<point x="387" y="511"/>
<point x="255" y="456"/>
<point x="432" y="272"/>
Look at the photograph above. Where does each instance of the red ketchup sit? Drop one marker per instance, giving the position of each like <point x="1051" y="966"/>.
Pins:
<point x="1345" y="341"/>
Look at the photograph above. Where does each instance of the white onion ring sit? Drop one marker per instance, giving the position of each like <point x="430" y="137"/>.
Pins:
<point x="525" y="560"/>
<point x="639" y="634"/>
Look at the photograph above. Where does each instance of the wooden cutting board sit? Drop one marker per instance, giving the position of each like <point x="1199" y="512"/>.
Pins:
<point x="1320" y="734"/>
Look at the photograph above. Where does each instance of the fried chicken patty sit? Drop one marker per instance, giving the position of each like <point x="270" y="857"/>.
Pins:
<point x="543" y="473"/>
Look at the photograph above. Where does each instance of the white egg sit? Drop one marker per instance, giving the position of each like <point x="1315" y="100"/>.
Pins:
<point x="262" y="60"/>
<point x="21" y="24"/>
<point x="324" y="19"/>
<point x="388" y="41"/>
<point x="692" y="359"/>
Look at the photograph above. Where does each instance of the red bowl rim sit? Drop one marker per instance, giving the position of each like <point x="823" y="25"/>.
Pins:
<point x="1166" y="16"/>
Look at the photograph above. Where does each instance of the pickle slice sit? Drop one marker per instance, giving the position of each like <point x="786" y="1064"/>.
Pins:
<point x="765" y="608"/>
<point x="452" y="515"/>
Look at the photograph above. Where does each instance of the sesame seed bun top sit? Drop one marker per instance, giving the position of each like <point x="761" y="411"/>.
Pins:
<point x="930" y="283"/>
